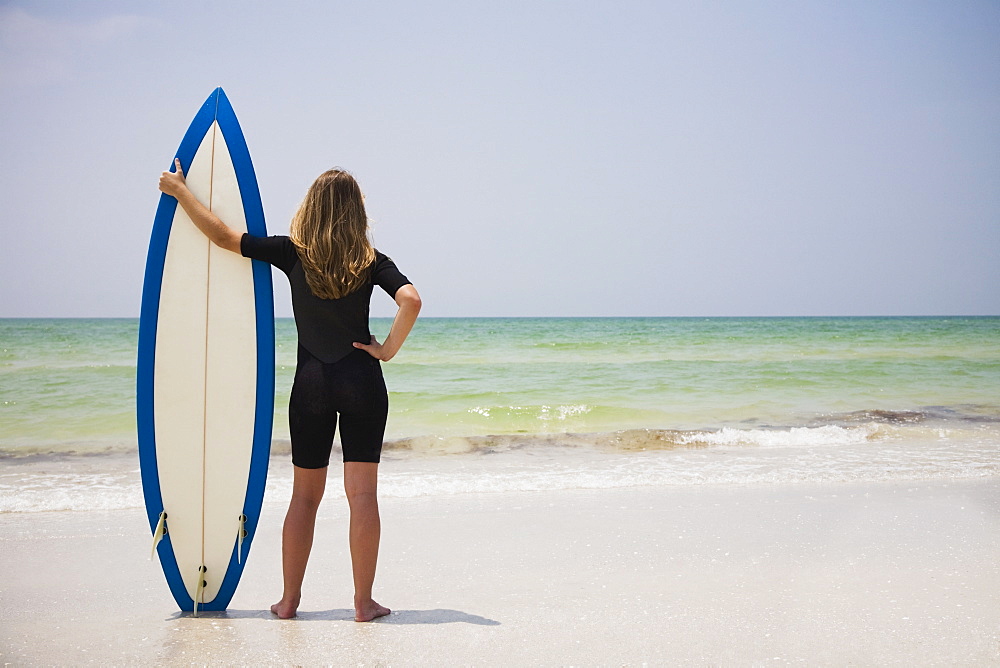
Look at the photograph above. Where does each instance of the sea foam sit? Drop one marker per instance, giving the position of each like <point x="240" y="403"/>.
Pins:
<point x="435" y="466"/>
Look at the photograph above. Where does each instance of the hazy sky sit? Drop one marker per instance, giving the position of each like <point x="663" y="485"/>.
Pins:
<point x="531" y="158"/>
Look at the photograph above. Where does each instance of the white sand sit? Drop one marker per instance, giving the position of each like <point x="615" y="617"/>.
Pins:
<point x="889" y="573"/>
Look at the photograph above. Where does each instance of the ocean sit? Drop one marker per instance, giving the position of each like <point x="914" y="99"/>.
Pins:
<point x="497" y="404"/>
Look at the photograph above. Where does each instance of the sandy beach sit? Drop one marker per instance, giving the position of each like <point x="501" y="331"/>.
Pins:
<point x="822" y="574"/>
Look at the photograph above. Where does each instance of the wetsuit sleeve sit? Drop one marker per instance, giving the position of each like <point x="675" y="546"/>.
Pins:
<point x="277" y="250"/>
<point x="387" y="276"/>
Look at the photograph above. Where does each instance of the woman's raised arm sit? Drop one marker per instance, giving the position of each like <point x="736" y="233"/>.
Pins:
<point x="173" y="184"/>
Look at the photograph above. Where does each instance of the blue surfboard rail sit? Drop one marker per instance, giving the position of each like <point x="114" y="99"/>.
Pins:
<point x="216" y="108"/>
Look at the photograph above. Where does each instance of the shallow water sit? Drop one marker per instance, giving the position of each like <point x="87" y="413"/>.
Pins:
<point x="496" y="404"/>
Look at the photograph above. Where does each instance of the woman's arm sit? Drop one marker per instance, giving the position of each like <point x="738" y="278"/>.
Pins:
<point x="173" y="184"/>
<point x="408" y="302"/>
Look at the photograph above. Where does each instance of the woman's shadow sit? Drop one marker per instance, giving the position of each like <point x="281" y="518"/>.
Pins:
<point x="437" y="616"/>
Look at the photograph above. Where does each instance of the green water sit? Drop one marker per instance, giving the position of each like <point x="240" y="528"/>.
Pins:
<point x="70" y="382"/>
<point x="480" y="376"/>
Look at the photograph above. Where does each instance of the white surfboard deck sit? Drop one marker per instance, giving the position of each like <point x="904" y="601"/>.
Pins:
<point x="204" y="387"/>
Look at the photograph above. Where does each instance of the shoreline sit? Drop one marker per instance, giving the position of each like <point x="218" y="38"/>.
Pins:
<point x="825" y="573"/>
<point x="97" y="482"/>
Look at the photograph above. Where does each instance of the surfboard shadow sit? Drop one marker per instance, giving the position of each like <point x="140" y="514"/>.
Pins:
<point x="223" y="614"/>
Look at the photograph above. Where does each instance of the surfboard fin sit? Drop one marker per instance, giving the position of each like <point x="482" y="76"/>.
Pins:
<point x="161" y="529"/>
<point x="202" y="583"/>
<point x="239" y="540"/>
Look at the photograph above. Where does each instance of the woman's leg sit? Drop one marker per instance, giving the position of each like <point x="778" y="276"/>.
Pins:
<point x="297" y="536"/>
<point x="360" y="484"/>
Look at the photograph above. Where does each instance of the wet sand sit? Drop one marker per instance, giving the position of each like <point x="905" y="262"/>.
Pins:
<point x="822" y="574"/>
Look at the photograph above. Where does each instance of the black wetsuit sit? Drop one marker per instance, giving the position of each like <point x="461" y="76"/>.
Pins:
<point x="332" y="377"/>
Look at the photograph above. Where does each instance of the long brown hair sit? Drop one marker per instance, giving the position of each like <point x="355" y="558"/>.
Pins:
<point x="330" y="231"/>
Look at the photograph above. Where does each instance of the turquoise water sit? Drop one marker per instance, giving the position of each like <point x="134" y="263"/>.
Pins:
<point x="493" y="405"/>
<point x="480" y="376"/>
<point x="68" y="384"/>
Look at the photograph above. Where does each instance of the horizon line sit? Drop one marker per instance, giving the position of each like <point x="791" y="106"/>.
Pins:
<point x="553" y="317"/>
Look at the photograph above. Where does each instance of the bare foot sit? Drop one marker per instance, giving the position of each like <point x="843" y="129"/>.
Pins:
<point x="285" y="609"/>
<point x="369" y="610"/>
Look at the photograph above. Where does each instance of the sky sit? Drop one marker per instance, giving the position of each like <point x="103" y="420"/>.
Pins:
<point x="762" y="158"/>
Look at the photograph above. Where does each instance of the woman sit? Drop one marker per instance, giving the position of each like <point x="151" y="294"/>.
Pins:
<point x="332" y="267"/>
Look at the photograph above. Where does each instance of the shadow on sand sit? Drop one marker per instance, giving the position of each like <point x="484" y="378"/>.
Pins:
<point x="437" y="616"/>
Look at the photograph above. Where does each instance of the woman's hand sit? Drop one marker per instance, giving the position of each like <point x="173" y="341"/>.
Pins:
<point x="223" y="236"/>
<point x="374" y="348"/>
<point x="173" y="183"/>
<point x="409" y="303"/>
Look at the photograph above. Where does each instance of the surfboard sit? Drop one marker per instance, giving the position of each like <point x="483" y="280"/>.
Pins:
<point x="205" y="371"/>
